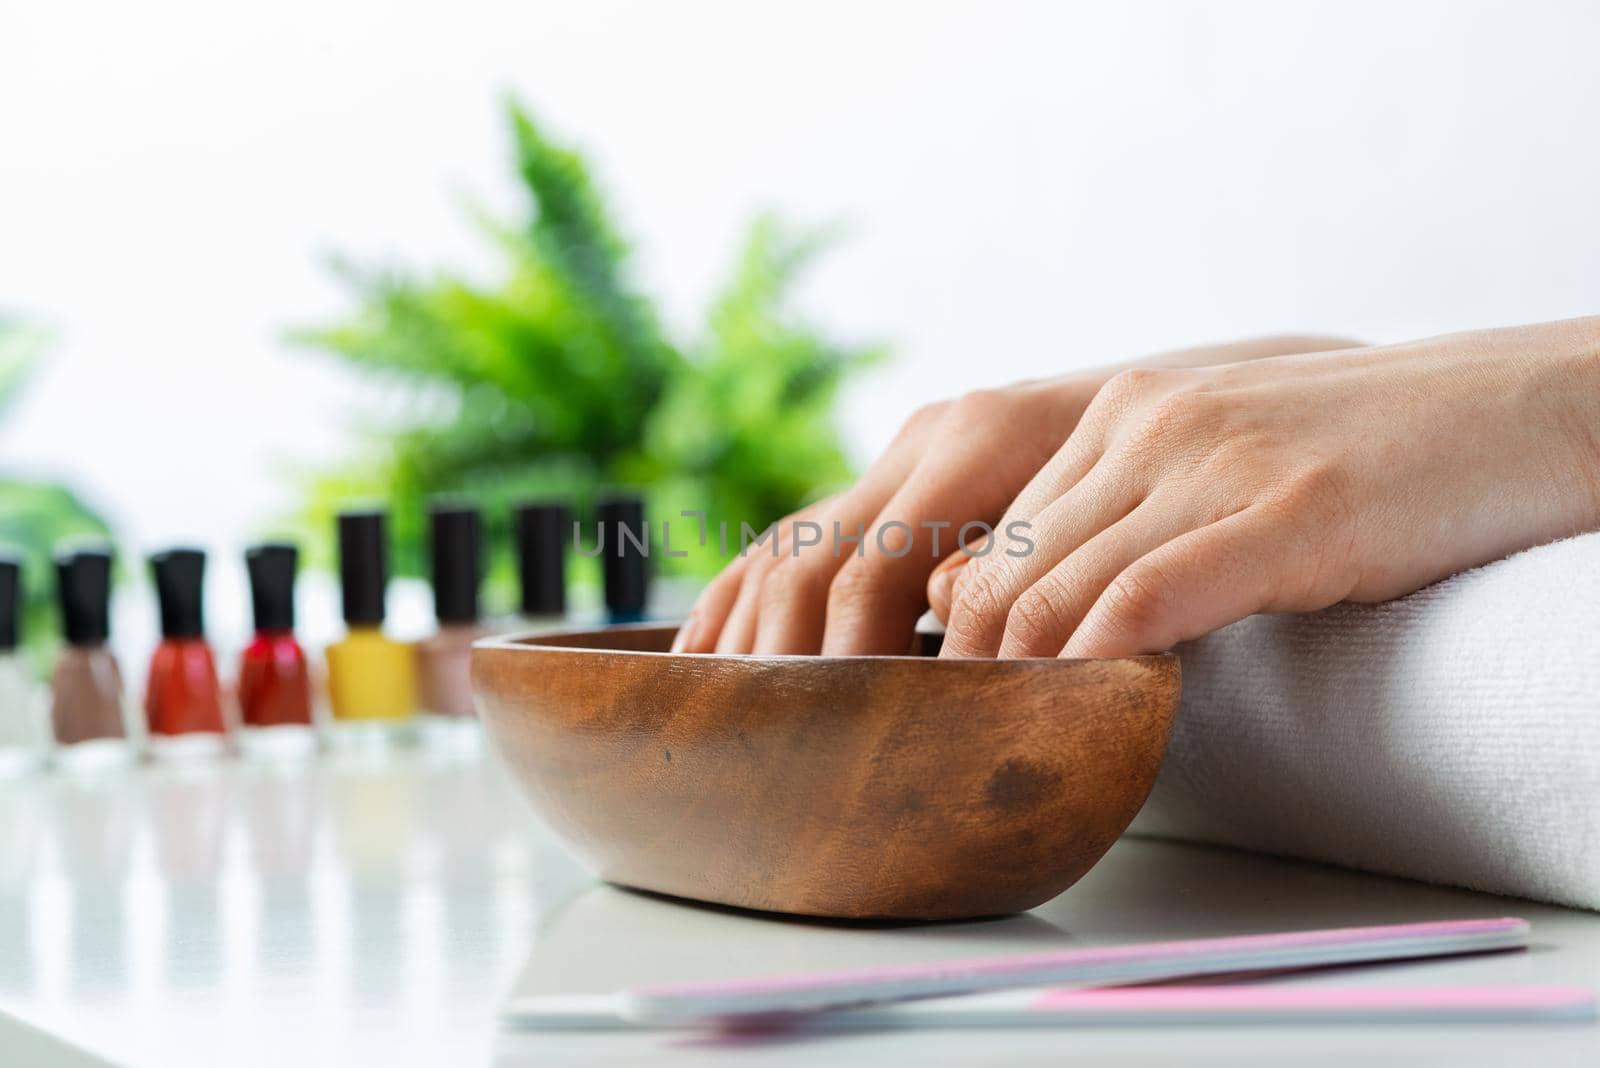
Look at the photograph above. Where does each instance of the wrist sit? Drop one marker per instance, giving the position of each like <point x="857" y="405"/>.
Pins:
<point x="1574" y="390"/>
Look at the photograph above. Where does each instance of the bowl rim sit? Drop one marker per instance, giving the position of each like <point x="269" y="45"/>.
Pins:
<point x="535" y="641"/>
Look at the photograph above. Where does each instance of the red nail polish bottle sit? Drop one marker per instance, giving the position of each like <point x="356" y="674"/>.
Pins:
<point x="274" y="681"/>
<point x="183" y="699"/>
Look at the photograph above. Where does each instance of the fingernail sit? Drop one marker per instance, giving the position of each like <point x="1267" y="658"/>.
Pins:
<point x="685" y="633"/>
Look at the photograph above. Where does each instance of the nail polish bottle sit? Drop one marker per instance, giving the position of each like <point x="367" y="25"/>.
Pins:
<point x="274" y="679"/>
<point x="456" y="545"/>
<point x="371" y="677"/>
<point x="626" y="561"/>
<point x="24" y="742"/>
<point x="542" y="530"/>
<point x="182" y="698"/>
<point x="86" y="708"/>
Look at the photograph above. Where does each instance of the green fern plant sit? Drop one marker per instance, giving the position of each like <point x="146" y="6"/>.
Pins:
<point x="558" y="377"/>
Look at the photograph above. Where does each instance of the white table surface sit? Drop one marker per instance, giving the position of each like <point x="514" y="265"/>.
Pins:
<point x="375" y="911"/>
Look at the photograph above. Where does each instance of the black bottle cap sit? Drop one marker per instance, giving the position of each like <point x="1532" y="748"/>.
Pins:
<point x="627" y="565"/>
<point x="272" y="567"/>
<point x="457" y="551"/>
<point x="542" y="532"/>
<point x="179" y="574"/>
<point x="83" y="584"/>
<point x="10" y="602"/>
<point x="363" y="567"/>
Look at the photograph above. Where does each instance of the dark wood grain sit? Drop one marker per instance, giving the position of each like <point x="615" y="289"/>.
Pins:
<point x="861" y="787"/>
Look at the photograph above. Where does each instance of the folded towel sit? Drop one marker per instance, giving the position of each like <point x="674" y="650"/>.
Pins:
<point x="1452" y="735"/>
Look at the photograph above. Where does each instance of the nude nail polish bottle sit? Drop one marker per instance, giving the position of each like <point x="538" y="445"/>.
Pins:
<point x="183" y="697"/>
<point x="24" y="739"/>
<point x="443" y="661"/>
<point x="87" y="701"/>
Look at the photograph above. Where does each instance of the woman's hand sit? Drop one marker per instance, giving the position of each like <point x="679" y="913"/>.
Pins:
<point x="953" y="463"/>
<point x="1188" y="499"/>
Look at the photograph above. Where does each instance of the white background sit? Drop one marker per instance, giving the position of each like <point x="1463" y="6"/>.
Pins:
<point x="1026" y="188"/>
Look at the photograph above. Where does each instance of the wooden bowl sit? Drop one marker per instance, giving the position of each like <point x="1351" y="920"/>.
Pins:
<point x="893" y="787"/>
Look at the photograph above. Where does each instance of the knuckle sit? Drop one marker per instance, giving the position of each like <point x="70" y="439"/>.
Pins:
<point x="1314" y="498"/>
<point x="733" y="574"/>
<point x="977" y="599"/>
<point x="761" y="564"/>
<point x="1321" y="488"/>
<point x="816" y="510"/>
<point x="1125" y="394"/>
<point x="1036" y="621"/>
<point x="1134" y="382"/>
<point x="788" y="580"/>
<point x="1116" y="396"/>
<point x="928" y="413"/>
<point x="856" y="582"/>
<point x="1182" y="423"/>
<point x="981" y="407"/>
<point x="1135" y="598"/>
<point x="1184" y="411"/>
<point x="724" y="589"/>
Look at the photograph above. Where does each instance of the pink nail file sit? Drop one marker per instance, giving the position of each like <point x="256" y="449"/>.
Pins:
<point x="1099" y="966"/>
<point x="1251" y="1003"/>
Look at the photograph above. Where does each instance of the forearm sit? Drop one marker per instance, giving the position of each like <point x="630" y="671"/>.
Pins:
<point x="1556" y="366"/>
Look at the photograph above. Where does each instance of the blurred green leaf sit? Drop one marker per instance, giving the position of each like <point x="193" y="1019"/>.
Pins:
<point x="557" y="378"/>
<point x="20" y="346"/>
<point x="35" y="517"/>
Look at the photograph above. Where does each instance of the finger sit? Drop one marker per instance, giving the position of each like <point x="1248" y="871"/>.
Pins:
<point x="786" y="612"/>
<point x="987" y="447"/>
<point x="875" y="599"/>
<point x="1044" y="617"/>
<point x="990" y="585"/>
<point x="739" y="629"/>
<point x="1117" y="479"/>
<point x="1081" y="454"/>
<point x="941" y="584"/>
<point x="791" y="605"/>
<point x="703" y="625"/>
<point x="1077" y="456"/>
<point x="708" y="618"/>
<point x="740" y="581"/>
<point x="1186" y="588"/>
<point x="776" y="565"/>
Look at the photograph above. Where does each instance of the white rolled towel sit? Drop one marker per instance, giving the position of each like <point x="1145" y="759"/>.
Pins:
<point x="1451" y="736"/>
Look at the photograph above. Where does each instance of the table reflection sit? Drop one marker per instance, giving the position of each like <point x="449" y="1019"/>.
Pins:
<point x="404" y="887"/>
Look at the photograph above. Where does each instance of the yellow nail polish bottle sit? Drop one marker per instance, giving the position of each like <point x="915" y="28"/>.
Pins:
<point x="372" y="679"/>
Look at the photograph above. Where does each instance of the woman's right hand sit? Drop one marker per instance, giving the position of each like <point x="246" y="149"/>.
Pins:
<point x="1189" y="499"/>
<point x="953" y="463"/>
